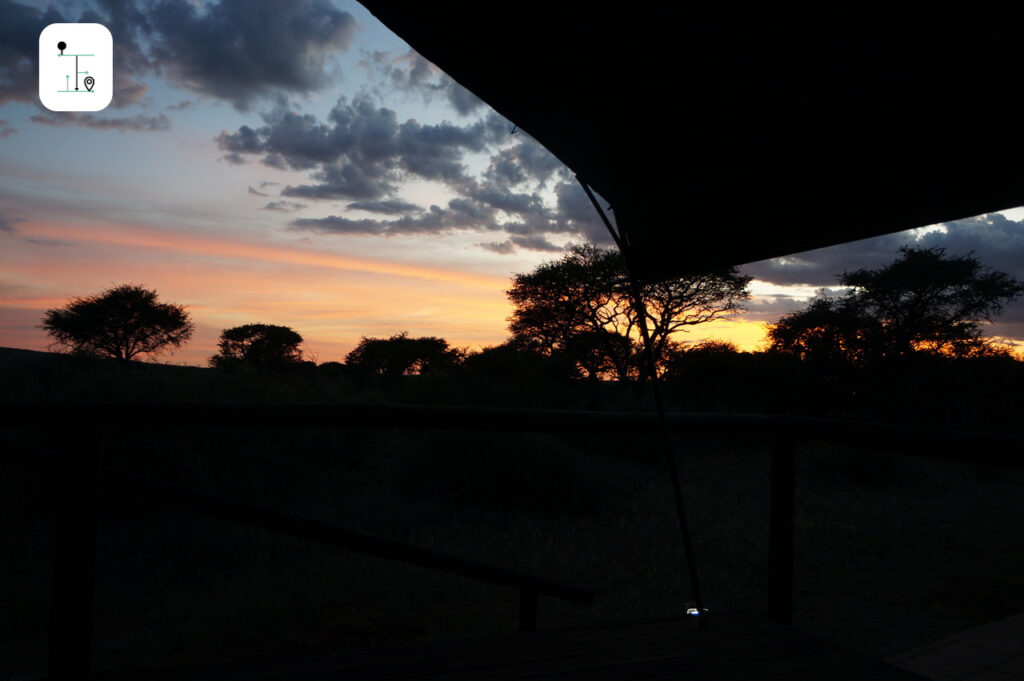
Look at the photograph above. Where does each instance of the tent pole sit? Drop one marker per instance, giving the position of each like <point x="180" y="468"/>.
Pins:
<point x="640" y="309"/>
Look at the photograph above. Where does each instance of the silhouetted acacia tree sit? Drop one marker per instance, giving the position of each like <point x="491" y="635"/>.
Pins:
<point x="400" y="355"/>
<point x="828" y="331"/>
<point x="507" y="362"/>
<point x="580" y="305"/>
<point x="122" y="322"/>
<point x="923" y="302"/>
<point x="258" y="345"/>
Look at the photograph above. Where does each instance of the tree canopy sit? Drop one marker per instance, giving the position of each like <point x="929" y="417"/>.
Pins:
<point x="259" y="345"/>
<point x="923" y="302"/>
<point x="401" y="355"/>
<point x="581" y="305"/>
<point x="121" y="322"/>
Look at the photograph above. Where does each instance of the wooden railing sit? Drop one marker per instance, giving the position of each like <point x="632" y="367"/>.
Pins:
<point x="80" y="481"/>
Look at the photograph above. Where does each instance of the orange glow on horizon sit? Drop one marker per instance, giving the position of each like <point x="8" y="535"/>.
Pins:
<point x="122" y="235"/>
<point x="333" y="300"/>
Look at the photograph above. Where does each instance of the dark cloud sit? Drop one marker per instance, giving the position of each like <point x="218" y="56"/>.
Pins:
<point x="182" y="105"/>
<point x="19" y="48"/>
<point x="362" y="151"/>
<point x="500" y="247"/>
<point x="769" y="308"/>
<point x="460" y="214"/>
<point x="49" y="242"/>
<point x="996" y="241"/>
<point x="7" y="224"/>
<point x="256" y="191"/>
<point x="412" y="73"/>
<point x="501" y="198"/>
<point x="245" y="141"/>
<point x="526" y="161"/>
<point x="339" y="225"/>
<point x="342" y="182"/>
<point x="4" y="130"/>
<point x="385" y="206"/>
<point x="128" y="25"/>
<point x="461" y="99"/>
<point x="284" y="206"/>
<point x="577" y="214"/>
<point x="240" y="51"/>
<point x="535" y="243"/>
<point x="528" y="243"/>
<point x="236" y="50"/>
<point x="137" y="123"/>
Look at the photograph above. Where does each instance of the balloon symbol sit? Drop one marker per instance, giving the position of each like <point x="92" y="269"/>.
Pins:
<point x="89" y="82"/>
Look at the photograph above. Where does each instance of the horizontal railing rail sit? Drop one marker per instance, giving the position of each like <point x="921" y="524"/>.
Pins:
<point x="81" y="476"/>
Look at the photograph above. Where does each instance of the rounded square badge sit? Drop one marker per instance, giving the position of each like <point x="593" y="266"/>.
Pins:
<point x="76" y="67"/>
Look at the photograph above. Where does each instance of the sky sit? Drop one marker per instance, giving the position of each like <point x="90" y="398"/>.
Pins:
<point x="296" y="163"/>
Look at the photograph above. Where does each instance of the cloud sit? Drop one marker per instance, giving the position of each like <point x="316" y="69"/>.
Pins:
<point x="284" y="206"/>
<point x="241" y="51"/>
<point x="499" y="247"/>
<point x="126" y="22"/>
<point x="137" y="123"/>
<point x="528" y="243"/>
<point x="19" y="48"/>
<point x="412" y="73"/>
<point x="996" y="240"/>
<point x="235" y="50"/>
<point x="769" y="308"/>
<point x="526" y="161"/>
<point x="256" y="192"/>
<point x="5" y="131"/>
<point x="362" y="152"/>
<point x="577" y="214"/>
<point x="385" y="206"/>
<point x="342" y="182"/>
<point x="535" y="243"/>
<point x="182" y="105"/>
<point x="7" y="223"/>
<point x="459" y="215"/>
<point x="50" y="242"/>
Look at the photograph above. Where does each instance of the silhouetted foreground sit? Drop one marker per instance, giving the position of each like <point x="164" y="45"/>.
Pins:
<point x="581" y="503"/>
<point x="735" y="648"/>
<point x="84" y="482"/>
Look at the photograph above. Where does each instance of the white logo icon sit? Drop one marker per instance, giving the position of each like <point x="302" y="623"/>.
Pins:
<point x="76" y="67"/>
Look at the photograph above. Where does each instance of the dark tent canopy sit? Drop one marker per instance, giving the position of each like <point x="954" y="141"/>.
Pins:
<point x="723" y="133"/>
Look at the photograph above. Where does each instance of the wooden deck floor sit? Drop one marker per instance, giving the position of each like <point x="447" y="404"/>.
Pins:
<point x="728" y="648"/>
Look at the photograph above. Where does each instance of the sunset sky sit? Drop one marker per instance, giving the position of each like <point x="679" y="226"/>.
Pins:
<point x="296" y="163"/>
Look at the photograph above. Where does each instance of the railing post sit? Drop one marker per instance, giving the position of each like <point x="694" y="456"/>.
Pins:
<point x="780" y="537"/>
<point x="76" y="482"/>
<point x="527" y="609"/>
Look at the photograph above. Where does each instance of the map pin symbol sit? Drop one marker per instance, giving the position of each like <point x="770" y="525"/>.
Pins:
<point x="89" y="82"/>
